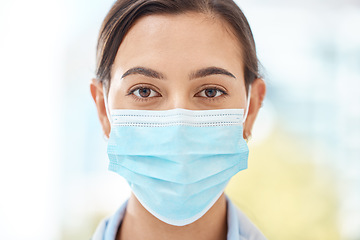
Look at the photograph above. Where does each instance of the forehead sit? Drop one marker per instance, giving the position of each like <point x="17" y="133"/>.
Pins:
<point x="195" y="38"/>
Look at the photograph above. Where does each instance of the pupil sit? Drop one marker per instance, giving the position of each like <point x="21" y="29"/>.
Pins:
<point x="144" y="92"/>
<point x="210" y="93"/>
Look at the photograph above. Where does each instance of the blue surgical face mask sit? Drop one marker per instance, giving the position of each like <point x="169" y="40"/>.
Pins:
<point x="177" y="162"/>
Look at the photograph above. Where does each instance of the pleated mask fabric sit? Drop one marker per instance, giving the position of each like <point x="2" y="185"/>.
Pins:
<point x="177" y="162"/>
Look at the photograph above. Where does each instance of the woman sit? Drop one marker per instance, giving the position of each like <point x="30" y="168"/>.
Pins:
<point x="177" y="92"/>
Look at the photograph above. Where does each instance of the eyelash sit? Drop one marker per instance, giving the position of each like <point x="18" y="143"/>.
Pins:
<point x="138" y="87"/>
<point x="223" y="95"/>
<point x="132" y="90"/>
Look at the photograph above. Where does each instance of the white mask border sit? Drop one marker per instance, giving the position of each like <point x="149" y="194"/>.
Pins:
<point x="110" y="120"/>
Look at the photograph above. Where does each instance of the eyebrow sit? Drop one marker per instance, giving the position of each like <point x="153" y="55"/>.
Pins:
<point x="210" y="71"/>
<point x="143" y="71"/>
<point x="204" y="72"/>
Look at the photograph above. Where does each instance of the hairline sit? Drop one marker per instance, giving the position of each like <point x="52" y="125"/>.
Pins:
<point x="234" y="22"/>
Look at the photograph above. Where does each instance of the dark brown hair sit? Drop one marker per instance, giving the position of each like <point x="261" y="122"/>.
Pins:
<point x="123" y="14"/>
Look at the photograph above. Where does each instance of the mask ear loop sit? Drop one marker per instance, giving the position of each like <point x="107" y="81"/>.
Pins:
<point x="106" y="104"/>
<point x="247" y="105"/>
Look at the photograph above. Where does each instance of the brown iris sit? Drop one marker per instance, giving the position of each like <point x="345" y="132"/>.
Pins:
<point x="144" y="92"/>
<point x="210" y="93"/>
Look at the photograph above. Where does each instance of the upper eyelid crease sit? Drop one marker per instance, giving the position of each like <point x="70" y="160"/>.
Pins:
<point x="137" y="87"/>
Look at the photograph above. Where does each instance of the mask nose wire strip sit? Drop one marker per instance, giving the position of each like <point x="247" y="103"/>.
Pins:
<point x="247" y="105"/>
<point x="106" y="104"/>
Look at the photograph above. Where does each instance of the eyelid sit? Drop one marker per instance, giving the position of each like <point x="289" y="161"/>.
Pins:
<point x="218" y="88"/>
<point x="142" y="85"/>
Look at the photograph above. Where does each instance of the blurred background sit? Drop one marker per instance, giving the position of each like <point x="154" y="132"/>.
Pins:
<point x="303" y="180"/>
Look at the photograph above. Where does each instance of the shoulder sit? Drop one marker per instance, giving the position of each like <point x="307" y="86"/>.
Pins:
<point x="240" y="226"/>
<point x="107" y="229"/>
<point x="100" y="230"/>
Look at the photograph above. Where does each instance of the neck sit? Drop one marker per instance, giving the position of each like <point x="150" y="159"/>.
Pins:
<point x="138" y="224"/>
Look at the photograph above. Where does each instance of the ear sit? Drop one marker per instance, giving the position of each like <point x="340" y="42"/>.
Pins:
<point x="258" y="91"/>
<point x="97" y="94"/>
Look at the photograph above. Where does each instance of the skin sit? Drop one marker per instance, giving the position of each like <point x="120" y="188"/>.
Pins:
<point x="175" y="53"/>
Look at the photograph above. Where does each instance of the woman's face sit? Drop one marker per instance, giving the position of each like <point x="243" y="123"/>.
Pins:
<point x="188" y="61"/>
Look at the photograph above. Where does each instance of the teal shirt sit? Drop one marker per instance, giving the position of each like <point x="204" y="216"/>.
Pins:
<point x="239" y="226"/>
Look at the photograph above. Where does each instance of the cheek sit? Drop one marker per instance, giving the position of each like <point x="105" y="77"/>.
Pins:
<point x="117" y="93"/>
<point x="237" y="96"/>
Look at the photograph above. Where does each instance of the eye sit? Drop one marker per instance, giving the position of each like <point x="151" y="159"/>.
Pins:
<point x="144" y="92"/>
<point x="210" y="93"/>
